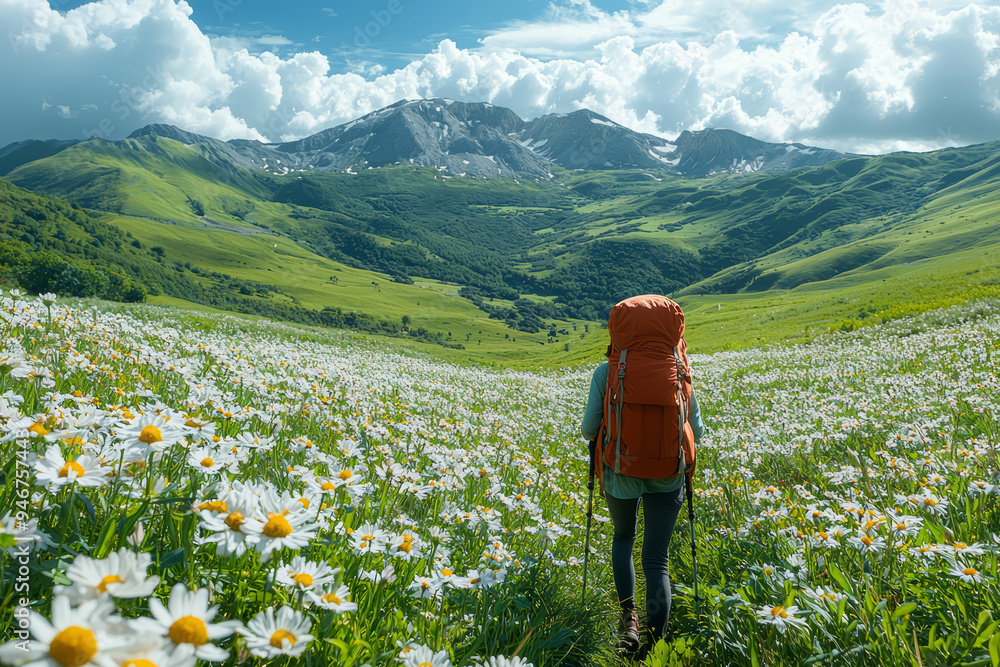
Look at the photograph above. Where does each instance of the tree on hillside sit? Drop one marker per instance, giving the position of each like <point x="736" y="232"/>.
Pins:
<point x="12" y="257"/>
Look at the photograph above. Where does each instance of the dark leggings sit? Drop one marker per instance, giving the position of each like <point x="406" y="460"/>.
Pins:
<point x="659" y="512"/>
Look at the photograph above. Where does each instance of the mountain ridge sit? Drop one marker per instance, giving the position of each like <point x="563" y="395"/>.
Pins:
<point x="480" y="140"/>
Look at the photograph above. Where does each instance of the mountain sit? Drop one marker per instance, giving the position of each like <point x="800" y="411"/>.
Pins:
<point x="487" y="141"/>
<point x="710" y="152"/>
<point x="14" y="155"/>
<point x="586" y="140"/>
<point x="454" y="137"/>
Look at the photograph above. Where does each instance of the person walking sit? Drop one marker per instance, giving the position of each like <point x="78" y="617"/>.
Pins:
<point x="647" y="343"/>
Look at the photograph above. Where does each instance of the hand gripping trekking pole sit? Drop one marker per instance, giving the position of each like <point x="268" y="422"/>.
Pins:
<point x="694" y="553"/>
<point x="590" y="514"/>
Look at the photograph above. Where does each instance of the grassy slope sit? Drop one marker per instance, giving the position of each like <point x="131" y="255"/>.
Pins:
<point x="306" y="276"/>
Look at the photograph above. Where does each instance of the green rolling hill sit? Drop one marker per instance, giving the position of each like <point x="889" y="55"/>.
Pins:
<point x="496" y="264"/>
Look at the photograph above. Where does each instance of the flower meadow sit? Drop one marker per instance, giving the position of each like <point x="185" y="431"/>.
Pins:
<point x="182" y="489"/>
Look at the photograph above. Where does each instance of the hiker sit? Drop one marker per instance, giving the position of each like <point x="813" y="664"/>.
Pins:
<point x="649" y="329"/>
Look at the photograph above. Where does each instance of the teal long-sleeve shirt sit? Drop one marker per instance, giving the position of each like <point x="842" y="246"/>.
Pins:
<point x="624" y="486"/>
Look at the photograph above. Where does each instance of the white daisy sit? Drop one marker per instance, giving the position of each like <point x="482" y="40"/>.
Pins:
<point x="153" y="651"/>
<point x="53" y="471"/>
<point x="75" y="637"/>
<point x="503" y="661"/>
<point x="22" y="532"/>
<point x="963" y="549"/>
<point x="187" y="622"/>
<point x="336" y="601"/>
<point x="423" y="656"/>
<point x="406" y="546"/>
<point x="232" y="520"/>
<point x="388" y="575"/>
<point x="305" y="575"/>
<point x="145" y="434"/>
<point x="780" y="617"/>
<point x="979" y="487"/>
<point x="967" y="574"/>
<point x="369" y="538"/>
<point x="424" y="587"/>
<point x="285" y="524"/>
<point x="209" y="461"/>
<point x="270" y="635"/>
<point x="821" y="594"/>
<point x="865" y="543"/>
<point x="121" y="575"/>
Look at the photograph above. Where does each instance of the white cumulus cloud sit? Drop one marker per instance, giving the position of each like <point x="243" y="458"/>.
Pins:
<point x="904" y="74"/>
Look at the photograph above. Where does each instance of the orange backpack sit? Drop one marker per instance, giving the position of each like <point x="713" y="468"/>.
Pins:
<point x="648" y="396"/>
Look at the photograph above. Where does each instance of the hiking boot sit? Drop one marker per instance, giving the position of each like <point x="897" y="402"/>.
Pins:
<point x="628" y="633"/>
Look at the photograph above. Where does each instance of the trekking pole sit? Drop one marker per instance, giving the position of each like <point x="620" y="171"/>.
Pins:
<point x="694" y="553"/>
<point x="590" y="513"/>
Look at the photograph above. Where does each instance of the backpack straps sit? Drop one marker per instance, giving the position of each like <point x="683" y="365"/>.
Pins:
<point x="682" y="411"/>
<point x="620" y="394"/>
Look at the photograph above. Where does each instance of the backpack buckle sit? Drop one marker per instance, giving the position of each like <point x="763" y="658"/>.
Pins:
<point x="621" y="364"/>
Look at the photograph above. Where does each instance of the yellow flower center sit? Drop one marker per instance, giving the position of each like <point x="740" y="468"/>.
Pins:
<point x="189" y="630"/>
<point x="970" y="571"/>
<point x="150" y="434"/>
<point x="867" y="541"/>
<point x="768" y="571"/>
<point x="303" y="579"/>
<point x="38" y="429"/>
<point x="332" y="597"/>
<point x="73" y="647"/>
<point x="305" y="502"/>
<point x="406" y="547"/>
<point x="474" y="580"/>
<point x="345" y="474"/>
<point x="446" y="572"/>
<point x="822" y="535"/>
<point x="779" y="611"/>
<point x="235" y="520"/>
<point x="900" y="526"/>
<point x="140" y="662"/>
<point x="930" y="502"/>
<point x="277" y="526"/>
<point x="214" y="506"/>
<point x="368" y="538"/>
<point x="960" y="545"/>
<point x="207" y="462"/>
<point x="425" y="664"/>
<point x="279" y="637"/>
<point x="110" y="579"/>
<point x="71" y="465"/>
<point x="327" y="486"/>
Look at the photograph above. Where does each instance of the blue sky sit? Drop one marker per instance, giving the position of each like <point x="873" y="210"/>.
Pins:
<point x="866" y="76"/>
<point x="373" y="30"/>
